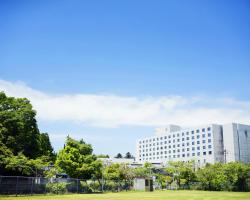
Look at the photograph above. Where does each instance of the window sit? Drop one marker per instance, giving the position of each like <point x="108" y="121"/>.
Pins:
<point x="198" y="142"/>
<point x="193" y="154"/>
<point x="209" y="140"/>
<point x="187" y="133"/>
<point x="209" y="146"/>
<point x="210" y="152"/>
<point x="165" y="137"/>
<point x="182" y="134"/>
<point x="203" y="135"/>
<point x="187" y="138"/>
<point x="204" y="147"/>
<point x="208" y="128"/>
<point x="198" y="148"/>
<point x="187" y="154"/>
<point x="178" y="140"/>
<point x="204" y="153"/>
<point x="192" y="132"/>
<point x="246" y="134"/>
<point x="192" y="143"/>
<point x="182" y="139"/>
<point x="203" y="141"/>
<point x="183" y="150"/>
<point x="209" y="134"/>
<point x="193" y="148"/>
<point x="203" y="130"/>
<point x="192" y="137"/>
<point x="161" y="138"/>
<point x="187" y="149"/>
<point x="197" y="136"/>
<point x="187" y="143"/>
<point x="198" y="154"/>
<point x="197" y="131"/>
<point x="183" y="155"/>
<point x="169" y="151"/>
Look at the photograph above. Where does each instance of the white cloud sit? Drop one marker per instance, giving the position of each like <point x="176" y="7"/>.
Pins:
<point x="113" y="110"/>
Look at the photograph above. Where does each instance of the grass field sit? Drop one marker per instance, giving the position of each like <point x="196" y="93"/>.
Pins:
<point x="157" y="195"/>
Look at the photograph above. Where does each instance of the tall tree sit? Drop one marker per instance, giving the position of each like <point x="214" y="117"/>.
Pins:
<point x="77" y="160"/>
<point x="119" y="155"/>
<point x="128" y="155"/>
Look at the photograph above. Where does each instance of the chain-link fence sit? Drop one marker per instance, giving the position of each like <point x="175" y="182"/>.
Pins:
<point x="37" y="185"/>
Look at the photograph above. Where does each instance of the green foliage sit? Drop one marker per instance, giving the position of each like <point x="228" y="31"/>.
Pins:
<point x="212" y="177"/>
<point x="20" y="136"/>
<point x="56" y="188"/>
<point x="144" y="171"/>
<point x="182" y="170"/>
<point x="102" y="156"/>
<point x="25" y="166"/>
<point x="128" y="155"/>
<point x="161" y="180"/>
<point x="119" y="155"/>
<point x="77" y="160"/>
<point x="230" y="176"/>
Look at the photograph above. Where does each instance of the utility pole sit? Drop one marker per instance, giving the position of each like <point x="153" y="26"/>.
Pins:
<point x="225" y="155"/>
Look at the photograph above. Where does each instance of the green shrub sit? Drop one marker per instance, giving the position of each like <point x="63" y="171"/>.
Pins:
<point x="56" y="188"/>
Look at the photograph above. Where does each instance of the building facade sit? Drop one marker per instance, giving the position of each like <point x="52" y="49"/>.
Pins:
<point x="206" y="144"/>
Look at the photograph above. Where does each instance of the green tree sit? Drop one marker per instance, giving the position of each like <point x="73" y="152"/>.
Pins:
<point x="181" y="170"/>
<point x="212" y="177"/>
<point x="161" y="180"/>
<point x="76" y="159"/>
<point x="46" y="147"/>
<point x="20" y="164"/>
<point x="128" y="155"/>
<point x="119" y="155"/>
<point x="236" y="174"/>
<point x="18" y="126"/>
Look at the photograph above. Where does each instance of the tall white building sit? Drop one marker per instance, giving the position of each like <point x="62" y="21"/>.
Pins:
<point x="206" y="144"/>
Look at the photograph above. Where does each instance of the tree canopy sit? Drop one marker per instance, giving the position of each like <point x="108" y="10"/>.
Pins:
<point x="19" y="133"/>
<point x="76" y="159"/>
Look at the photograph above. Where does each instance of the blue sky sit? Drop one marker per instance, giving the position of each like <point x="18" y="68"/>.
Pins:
<point x="148" y="57"/>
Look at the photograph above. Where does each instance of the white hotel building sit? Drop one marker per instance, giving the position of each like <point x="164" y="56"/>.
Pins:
<point x="205" y="144"/>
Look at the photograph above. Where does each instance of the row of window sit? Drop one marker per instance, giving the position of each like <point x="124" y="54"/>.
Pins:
<point x="178" y="150"/>
<point x="169" y="137"/>
<point x="204" y="153"/>
<point x="174" y="145"/>
<point x="173" y="151"/>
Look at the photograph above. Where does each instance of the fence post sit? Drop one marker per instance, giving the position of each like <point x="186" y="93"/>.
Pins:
<point x="31" y="185"/>
<point x="16" y="185"/>
<point x="77" y="185"/>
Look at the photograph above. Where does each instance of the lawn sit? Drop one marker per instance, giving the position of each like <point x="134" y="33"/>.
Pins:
<point x="157" y="195"/>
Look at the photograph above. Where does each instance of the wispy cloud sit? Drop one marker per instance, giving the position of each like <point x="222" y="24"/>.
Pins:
<point x="113" y="110"/>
